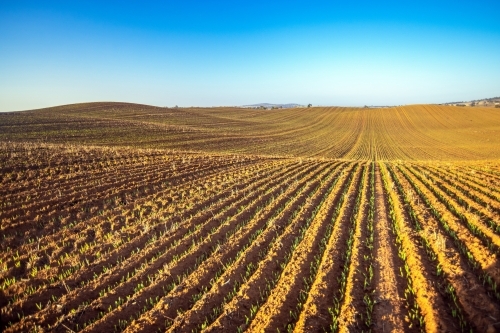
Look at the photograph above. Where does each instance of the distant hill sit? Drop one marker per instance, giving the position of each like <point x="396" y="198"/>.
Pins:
<point x="491" y="102"/>
<point x="270" y="106"/>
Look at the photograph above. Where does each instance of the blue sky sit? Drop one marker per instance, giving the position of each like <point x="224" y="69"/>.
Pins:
<point x="208" y="53"/>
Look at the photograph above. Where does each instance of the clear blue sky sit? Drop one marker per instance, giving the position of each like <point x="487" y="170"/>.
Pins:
<point x="243" y="52"/>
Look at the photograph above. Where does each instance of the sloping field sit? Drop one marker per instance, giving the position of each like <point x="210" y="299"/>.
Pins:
<point x="246" y="223"/>
<point x="420" y="132"/>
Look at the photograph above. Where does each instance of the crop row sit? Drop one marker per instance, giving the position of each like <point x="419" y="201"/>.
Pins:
<point x="194" y="242"/>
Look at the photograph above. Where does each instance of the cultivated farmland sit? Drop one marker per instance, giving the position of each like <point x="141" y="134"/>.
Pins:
<point x="121" y="217"/>
<point x="420" y="132"/>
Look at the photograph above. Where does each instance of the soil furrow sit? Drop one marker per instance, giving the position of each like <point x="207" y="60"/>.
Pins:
<point x="479" y="195"/>
<point x="467" y="298"/>
<point x="467" y="201"/>
<point x="388" y="312"/>
<point x="216" y="258"/>
<point x="284" y="303"/>
<point x="470" y="246"/>
<point x="257" y="287"/>
<point x="316" y="316"/>
<point x="429" y="301"/>
<point x="161" y="220"/>
<point x="237" y="274"/>
<point x="487" y="237"/>
<point x="50" y="223"/>
<point x="351" y="316"/>
<point x="90" y="291"/>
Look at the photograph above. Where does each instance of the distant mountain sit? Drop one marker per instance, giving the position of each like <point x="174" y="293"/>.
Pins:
<point x="269" y="105"/>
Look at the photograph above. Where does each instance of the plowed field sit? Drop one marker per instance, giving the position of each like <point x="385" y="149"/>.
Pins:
<point x="342" y="220"/>
<point x="419" y="132"/>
